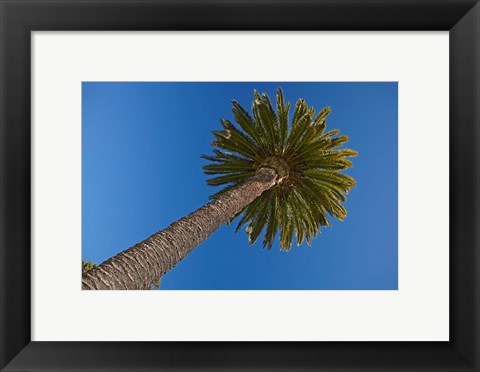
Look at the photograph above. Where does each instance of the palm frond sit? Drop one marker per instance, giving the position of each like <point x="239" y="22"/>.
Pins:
<point x="315" y="186"/>
<point x="282" y="118"/>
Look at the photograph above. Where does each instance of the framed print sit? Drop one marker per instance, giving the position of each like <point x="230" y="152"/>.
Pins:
<point x="351" y="127"/>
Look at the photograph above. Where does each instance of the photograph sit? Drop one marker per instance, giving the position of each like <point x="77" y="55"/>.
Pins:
<point x="239" y="185"/>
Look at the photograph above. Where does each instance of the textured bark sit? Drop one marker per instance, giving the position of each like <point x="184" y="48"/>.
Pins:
<point x="140" y="265"/>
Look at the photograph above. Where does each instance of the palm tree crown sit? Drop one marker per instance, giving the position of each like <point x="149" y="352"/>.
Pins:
<point x="306" y="157"/>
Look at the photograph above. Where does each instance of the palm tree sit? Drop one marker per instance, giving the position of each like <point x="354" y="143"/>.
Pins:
<point x="280" y="178"/>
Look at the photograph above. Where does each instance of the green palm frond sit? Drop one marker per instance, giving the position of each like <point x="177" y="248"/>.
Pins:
<point x="314" y="189"/>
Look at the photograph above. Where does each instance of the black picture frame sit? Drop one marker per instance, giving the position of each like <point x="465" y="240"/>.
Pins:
<point x="18" y="18"/>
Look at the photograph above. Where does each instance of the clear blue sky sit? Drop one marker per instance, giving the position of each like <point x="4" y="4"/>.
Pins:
<point x="141" y="170"/>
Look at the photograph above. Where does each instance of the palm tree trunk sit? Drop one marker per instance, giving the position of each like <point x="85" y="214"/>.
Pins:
<point x="139" y="266"/>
